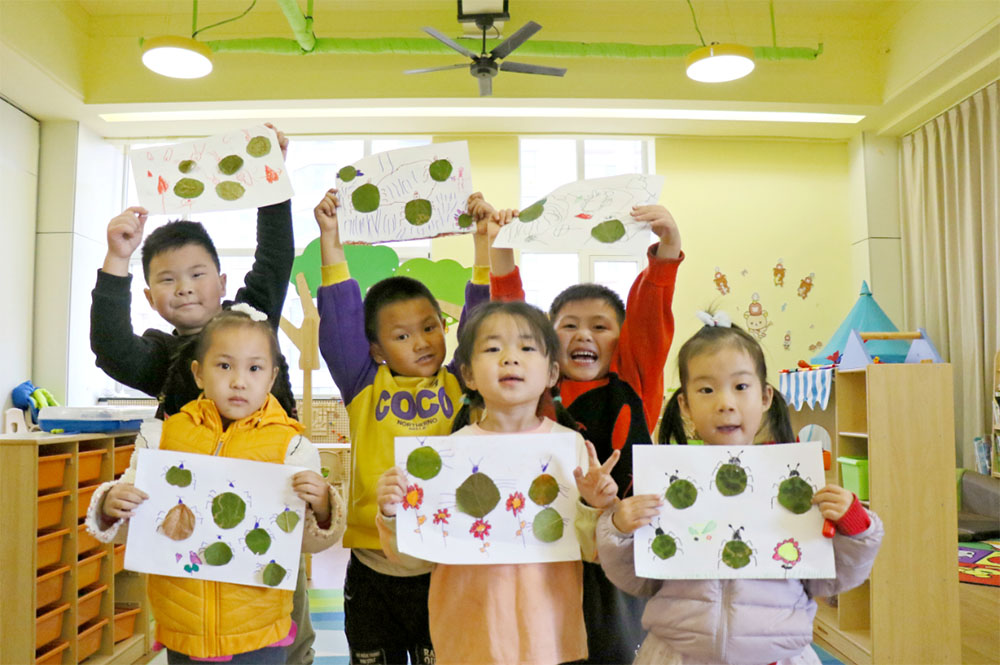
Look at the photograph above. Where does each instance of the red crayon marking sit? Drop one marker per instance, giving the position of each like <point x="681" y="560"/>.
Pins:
<point x="270" y="174"/>
<point x="584" y="215"/>
<point x="161" y="186"/>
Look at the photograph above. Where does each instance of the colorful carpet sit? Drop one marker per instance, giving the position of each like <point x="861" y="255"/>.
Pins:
<point x="327" y="609"/>
<point x="979" y="563"/>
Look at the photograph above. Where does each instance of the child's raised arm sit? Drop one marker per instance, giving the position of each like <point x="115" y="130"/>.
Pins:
<point x="331" y="250"/>
<point x="124" y="237"/>
<point x="663" y="225"/>
<point x="489" y="221"/>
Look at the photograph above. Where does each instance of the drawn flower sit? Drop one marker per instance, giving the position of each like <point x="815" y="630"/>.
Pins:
<point x="788" y="552"/>
<point x="441" y="516"/>
<point x="414" y="497"/>
<point x="480" y="529"/>
<point x="515" y="503"/>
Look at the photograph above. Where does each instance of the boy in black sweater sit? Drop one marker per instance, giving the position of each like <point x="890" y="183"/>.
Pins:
<point x="185" y="286"/>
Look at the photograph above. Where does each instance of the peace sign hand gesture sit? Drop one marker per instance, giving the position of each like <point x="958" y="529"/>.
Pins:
<point x="597" y="488"/>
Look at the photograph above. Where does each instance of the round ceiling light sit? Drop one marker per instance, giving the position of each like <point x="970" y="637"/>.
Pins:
<point x="177" y="57"/>
<point x="719" y="62"/>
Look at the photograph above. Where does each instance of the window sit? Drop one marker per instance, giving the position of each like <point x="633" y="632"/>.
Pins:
<point x="312" y="164"/>
<point x="547" y="163"/>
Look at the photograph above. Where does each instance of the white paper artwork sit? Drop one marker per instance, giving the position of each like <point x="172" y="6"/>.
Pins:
<point x="216" y="518"/>
<point x="231" y="171"/>
<point x="587" y="214"/>
<point x="405" y="194"/>
<point x="489" y="499"/>
<point x="732" y="512"/>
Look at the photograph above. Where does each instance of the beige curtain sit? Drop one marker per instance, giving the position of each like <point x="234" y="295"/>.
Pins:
<point x="950" y="224"/>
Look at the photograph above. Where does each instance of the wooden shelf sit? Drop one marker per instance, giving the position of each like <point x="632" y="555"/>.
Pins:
<point x="857" y="435"/>
<point x="21" y="485"/>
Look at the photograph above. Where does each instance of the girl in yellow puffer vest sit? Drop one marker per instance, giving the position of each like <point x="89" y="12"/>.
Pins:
<point x="236" y="416"/>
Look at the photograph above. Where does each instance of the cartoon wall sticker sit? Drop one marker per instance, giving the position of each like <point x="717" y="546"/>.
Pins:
<point x="806" y="285"/>
<point x="786" y="344"/>
<point x="756" y="318"/>
<point x="779" y="273"/>
<point x="721" y="283"/>
<point x="771" y="534"/>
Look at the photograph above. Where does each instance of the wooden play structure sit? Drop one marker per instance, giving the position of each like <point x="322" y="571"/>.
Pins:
<point x="856" y="355"/>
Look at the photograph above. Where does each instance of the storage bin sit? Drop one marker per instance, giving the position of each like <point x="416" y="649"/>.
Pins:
<point x="125" y="616"/>
<point x="88" y="465"/>
<point x="123" y="455"/>
<point x="51" y="471"/>
<point x="85" y="541"/>
<point x="52" y="655"/>
<point x="854" y="473"/>
<point x="50" y="509"/>
<point x="50" y="546"/>
<point x="88" y="640"/>
<point x="49" y="586"/>
<point x="88" y="605"/>
<point x="88" y="570"/>
<point x="48" y="626"/>
<point x="119" y="562"/>
<point x="83" y="500"/>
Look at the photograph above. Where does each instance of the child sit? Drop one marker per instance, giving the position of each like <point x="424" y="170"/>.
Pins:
<point x="236" y="416"/>
<point x="185" y="287"/>
<point x="725" y="396"/>
<point x="503" y="613"/>
<point x="386" y="356"/>
<point x="611" y="364"/>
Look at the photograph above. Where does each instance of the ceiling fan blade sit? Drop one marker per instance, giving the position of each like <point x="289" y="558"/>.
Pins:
<point x="461" y="65"/>
<point x="449" y="42"/>
<point x="485" y="86"/>
<point x="524" y="68"/>
<point x="515" y="40"/>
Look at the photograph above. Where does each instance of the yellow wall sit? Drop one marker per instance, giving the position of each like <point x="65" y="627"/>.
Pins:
<point x="741" y="205"/>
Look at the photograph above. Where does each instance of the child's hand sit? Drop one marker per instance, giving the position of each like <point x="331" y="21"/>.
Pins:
<point x="124" y="236"/>
<point x="121" y="501"/>
<point x="326" y="212"/>
<point x="662" y="224"/>
<point x="597" y="487"/>
<point x="282" y="140"/>
<point x="390" y="490"/>
<point x="833" y="501"/>
<point x="311" y="488"/>
<point x="488" y="219"/>
<point x="636" y="511"/>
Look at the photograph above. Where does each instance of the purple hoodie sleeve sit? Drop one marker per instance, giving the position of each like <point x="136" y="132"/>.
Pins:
<point x="342" y="338"/>
<point x="475" y="295"/>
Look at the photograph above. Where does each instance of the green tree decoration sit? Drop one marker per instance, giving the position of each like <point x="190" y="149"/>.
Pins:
<point x="609" y="231"/>
<point x="273" y="574"/>
<point x="287" y="520"/>
<point x="228" y="510"/>
<point x="547" y="525"/>
<point x="218" y="554"/>
<point x="178" y="476"/>
<point x="477" y="495"/>
<point x="189" y="188"/>
<point x="423" y="462"/>
<point x="230" y="164"/>
<point x="229" y="190"/>
<point x="259" y="146"/>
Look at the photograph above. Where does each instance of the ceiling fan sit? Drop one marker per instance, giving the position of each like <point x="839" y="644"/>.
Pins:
<point x="484" y="66"/>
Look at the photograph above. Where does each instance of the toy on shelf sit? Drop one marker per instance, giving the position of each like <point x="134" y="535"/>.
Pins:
<point x="28" y="396"/>
<point x="857" y="355"/>
<point x="864" y="315"/>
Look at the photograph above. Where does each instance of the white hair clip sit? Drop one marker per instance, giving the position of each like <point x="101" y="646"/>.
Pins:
<point x="246" y="308"/>
<point x="720" y="319"/>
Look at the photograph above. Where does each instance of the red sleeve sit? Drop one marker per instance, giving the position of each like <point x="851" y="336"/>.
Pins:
<point x="507" y="287"/>
<point x="648" y="332"/>
<point x="855" y="520"/>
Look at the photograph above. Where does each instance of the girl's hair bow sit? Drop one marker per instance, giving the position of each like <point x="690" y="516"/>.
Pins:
<point x="246" y="308"/>
<point x="719" y="319"/>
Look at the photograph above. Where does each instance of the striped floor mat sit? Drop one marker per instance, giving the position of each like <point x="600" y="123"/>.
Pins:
<point x="327" y="609"/>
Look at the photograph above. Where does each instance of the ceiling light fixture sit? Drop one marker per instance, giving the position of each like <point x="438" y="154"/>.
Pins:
<point x="177" y="57"/>
<point x="716" y="63"/>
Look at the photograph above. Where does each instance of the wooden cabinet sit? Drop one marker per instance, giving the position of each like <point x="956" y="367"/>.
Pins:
<point x="61" y="587"/>
<point x="901" y="417"/>
<point x="995" y="411"/>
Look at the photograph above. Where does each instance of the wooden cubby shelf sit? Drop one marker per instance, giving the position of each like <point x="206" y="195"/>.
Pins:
<point x="901" y="418"/>
<point x="61" y="586"/>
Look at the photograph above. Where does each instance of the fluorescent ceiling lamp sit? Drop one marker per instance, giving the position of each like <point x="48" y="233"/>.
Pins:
<point x="717" y="63"/>
<point x="177" y="57"/>
<point x="481" y="112"/>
